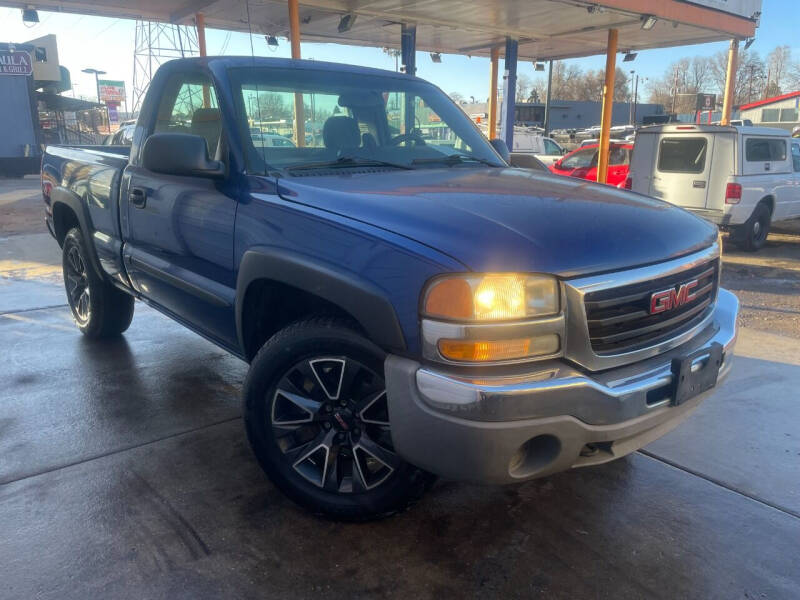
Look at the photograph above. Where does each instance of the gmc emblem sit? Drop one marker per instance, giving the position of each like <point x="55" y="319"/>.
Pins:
<point x="672" y="298"/>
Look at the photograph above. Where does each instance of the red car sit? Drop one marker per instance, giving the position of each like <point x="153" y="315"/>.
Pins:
<point x="582" y="163"/>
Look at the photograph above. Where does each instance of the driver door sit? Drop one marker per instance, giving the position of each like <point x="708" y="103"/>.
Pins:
<point x="179" y="243"/>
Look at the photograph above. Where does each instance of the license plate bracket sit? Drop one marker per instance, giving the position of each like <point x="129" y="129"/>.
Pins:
<point x="687" y="384"/>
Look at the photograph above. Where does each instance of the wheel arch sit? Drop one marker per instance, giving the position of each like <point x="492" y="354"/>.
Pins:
<point x="69" y="212"/>
<point x="291" y="286"/>
<point x="769" y="202"/>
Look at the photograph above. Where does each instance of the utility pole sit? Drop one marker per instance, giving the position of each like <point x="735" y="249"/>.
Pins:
<point x="635" y="99"/>
<point x="631" y="110"/>
<point x="674" y="92"/>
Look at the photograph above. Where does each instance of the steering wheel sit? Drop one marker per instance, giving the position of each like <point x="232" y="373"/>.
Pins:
<point x="414" y="136"/>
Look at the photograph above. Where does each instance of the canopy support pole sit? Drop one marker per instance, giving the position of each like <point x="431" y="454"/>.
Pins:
<point x="495" y="58"/>
<point x="547" y="100"/>
<point x="509" y="92"/>
<point x="608" y="105"/>
<point x="200" y="25"/>
<point x="730" y="82"/>
<point x="408" y="56"/>
<point x="294" y="38"/>
<point x="408" y="48"/>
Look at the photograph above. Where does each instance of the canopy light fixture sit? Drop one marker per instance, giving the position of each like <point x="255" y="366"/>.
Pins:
<point x="29" y="15"/>
<point x="749" y="42"/>
<point x="648" y="22"/>
<point x="539" y="66"/>
<point x="272" y="41"/>
<point x="436" y="57"/>
<point x="630" y="56"/>
<point x="346" y="22"/>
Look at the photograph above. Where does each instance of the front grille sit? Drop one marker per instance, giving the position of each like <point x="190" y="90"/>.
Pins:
<point x="619" y="319"/>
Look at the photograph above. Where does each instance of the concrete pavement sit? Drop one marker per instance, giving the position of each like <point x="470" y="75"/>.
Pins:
<point x="125" y="473"/>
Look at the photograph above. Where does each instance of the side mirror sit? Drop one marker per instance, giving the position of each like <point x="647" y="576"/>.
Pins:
<point x="180" y="154"/>
<point x="557" y="164"/>
<point x="501" y="148"/>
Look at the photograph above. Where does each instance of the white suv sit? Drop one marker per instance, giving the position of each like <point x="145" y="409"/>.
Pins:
<point x="742" y="178"/>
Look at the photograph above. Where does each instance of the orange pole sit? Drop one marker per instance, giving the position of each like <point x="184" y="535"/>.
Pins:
<point x="495" y="57"/>
<point x="608" y="105"/>
<point x="294" y="38"/>
<point x="730" y="83"/>
<point x="200" y="25"/>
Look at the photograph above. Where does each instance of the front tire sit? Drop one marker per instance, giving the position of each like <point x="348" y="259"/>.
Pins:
<point x="316" y="416"/>
<point x="98" y="308"/>
<point x="753" y="233"/>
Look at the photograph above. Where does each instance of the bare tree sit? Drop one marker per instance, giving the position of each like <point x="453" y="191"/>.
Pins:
<point x="457" y="97"/>
<point x="524" y="86"/>
<point x="779" y="63"/>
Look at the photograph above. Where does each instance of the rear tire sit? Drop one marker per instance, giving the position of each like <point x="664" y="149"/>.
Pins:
<point x="316" y="416"/>
<point x="752" y="235"/>
<point x="98" y="308"/>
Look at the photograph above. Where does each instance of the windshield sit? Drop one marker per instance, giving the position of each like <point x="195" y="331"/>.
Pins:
<point x="581" y="159"/>
<point x="351" y="119"/>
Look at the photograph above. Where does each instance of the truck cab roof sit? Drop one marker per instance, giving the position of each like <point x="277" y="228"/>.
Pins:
<point x="704" y="128"/>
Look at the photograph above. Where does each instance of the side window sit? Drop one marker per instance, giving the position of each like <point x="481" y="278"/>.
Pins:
<point x="550" y="147"/>
<point x="765" y="150"/>
<point x="189" y="105"/>
<point x="796" y="157"/>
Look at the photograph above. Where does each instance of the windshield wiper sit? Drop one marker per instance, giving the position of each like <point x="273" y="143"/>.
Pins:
<point x="452" y="159"/>
<point x="348" y="161"/>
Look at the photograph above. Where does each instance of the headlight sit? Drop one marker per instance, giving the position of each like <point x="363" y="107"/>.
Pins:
<point x="492" y="318"/>
<point x="492" y="297"/>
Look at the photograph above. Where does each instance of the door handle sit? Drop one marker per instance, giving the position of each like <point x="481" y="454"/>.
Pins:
<point x="138" y="197"/>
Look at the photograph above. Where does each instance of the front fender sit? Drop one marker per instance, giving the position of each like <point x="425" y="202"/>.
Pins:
<point x="362" y="299"/>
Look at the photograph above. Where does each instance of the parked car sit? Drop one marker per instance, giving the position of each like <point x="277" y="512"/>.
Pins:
<point x="741" y="178"/>
<point x="409" y="307"/>
<point x="582" y="163"/>
<point x="121" y="137"/>
<point x="546" y="149"/>
<point x="271" y="140"/>
<point x="595" y="141"/>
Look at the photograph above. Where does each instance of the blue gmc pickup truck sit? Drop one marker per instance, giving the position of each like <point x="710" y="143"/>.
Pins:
<point x="410" y="304"/>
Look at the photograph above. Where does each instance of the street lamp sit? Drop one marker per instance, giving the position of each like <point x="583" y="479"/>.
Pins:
<point x="97" y="86"/>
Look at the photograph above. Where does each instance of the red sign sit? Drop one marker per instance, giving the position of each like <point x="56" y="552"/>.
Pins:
<point x="672" y="298"/>
<point x="15" y="63"/>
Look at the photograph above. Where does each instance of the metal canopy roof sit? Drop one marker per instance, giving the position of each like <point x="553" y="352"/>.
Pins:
<point x="545" y="28"/>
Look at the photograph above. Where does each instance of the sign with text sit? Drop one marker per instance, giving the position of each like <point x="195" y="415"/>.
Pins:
<point x="111" y="91"/>
<point x="706" y="102"/>
<point x="15" y="63"/>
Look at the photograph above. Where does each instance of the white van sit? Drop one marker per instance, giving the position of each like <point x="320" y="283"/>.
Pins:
<point x="741" y="178"/>
<point x="544" y="148"/>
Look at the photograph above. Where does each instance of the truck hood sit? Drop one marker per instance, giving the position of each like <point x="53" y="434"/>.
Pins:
<point x="511" y="219"/>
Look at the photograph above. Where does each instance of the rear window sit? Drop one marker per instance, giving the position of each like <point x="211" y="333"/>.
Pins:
<point x="764" y="149"/>
<point x="682" y="155"/>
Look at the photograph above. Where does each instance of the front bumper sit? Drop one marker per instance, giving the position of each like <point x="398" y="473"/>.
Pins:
<point x="548" y="418"/>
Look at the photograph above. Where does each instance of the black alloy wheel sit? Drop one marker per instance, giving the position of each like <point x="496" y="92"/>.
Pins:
<point x="76" y="280"/>
<point x="330" y="420"/>
<point x="317" y="416"/>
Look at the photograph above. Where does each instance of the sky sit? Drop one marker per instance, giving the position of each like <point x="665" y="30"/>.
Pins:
<point x="107" y="44"/>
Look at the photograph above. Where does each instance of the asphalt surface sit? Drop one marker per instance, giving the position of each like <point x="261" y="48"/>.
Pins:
<point x="125" y="473"/>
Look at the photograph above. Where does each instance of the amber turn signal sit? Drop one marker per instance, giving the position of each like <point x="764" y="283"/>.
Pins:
<point x="480" y="351"/>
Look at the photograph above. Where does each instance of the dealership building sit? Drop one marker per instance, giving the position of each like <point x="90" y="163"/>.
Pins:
<point x="780" y="111"/>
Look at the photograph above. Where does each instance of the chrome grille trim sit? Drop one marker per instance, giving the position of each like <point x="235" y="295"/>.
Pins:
<point x="578" y="347"/>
